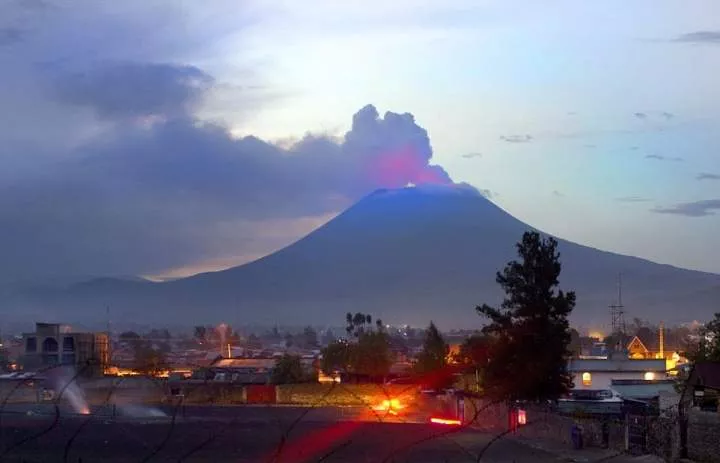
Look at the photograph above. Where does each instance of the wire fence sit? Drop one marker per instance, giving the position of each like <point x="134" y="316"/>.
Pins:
<point x="332" y="430"/>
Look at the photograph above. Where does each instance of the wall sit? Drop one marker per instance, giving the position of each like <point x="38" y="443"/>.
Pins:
<point x="17" y="392"/>
<point x="154" y="391"/>
<point x="603" y="379"/>
<point x="703" y="439"/>
<point x="664" y="436"/>
<point x="344" y="394"/>
<point x="485" y="415"/>
<point x="545" y="424"/>
<point x="207" y="392"/>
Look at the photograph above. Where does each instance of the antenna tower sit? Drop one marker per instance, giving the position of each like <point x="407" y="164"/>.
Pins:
<point x="617" y="311"/>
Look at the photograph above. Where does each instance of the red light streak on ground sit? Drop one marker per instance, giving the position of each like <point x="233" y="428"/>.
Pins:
<point x="317" y="443"/>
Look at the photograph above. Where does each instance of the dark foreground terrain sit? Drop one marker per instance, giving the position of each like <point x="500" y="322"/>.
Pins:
<point x="247" y="434"/>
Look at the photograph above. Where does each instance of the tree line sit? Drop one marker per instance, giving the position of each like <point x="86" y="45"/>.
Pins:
<point x="521" y="353"/>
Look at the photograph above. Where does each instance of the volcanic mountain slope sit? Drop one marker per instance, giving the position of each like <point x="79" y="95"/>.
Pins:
<point x="407" y="255"/>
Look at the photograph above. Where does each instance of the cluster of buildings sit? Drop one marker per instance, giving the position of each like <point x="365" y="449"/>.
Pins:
<point x="94" y="354"/>
<point x="637" y="370"/>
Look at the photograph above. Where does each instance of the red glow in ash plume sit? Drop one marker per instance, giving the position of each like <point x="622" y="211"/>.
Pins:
<point x="396" y="168"/>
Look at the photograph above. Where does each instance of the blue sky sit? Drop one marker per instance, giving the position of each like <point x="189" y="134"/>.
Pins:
<point x="595" y="121"/>
<point x="572" y="75"/>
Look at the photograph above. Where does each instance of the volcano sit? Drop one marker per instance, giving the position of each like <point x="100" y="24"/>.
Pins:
<point x="408" y="255"/>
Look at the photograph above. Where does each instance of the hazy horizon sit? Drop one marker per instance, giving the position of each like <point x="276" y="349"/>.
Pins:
<point x="237" y="128"/>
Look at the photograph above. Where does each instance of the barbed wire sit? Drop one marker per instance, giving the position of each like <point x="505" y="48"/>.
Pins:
<point x="66" y="449"/>
<point x="385" y="390"/>
<point x="56" y="420"/>
<point x="284" y="436"/>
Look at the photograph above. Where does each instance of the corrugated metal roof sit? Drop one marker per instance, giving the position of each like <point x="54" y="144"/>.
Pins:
<point x="643" y="391"/>
<point x="613" y="365"/>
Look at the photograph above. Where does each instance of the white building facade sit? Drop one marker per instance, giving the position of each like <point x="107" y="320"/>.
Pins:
<point x="597" y="374"/>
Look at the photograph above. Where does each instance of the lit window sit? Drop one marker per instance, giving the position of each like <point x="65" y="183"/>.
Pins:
<point x="587" y="379"/>
<point x="649" y="376"/>
<point x="522" y="417"/>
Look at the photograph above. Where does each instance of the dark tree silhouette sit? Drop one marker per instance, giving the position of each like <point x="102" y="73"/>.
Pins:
<point x="335" y="357"/>
<point x="148" y="360"/>
<point x="433" y="356"/>
<point x="530" y="331"/>
<point x="200" y="333"/>
<point x="707" y="348"/>
<point x="370" y="356"/>
<point x="575" y="345"/>
<point x="432" y="362"/>
<point x="359" y="323"/>
<point x="289" y="370"/>
<point x="474" y="352"/>
<point x="309" y="338"/>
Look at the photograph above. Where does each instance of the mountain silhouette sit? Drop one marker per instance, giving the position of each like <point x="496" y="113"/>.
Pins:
<point x="408" y="255"/>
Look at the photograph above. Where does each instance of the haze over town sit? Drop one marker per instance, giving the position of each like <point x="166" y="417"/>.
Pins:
<point x="340" y="230"/>
<point x="598" y="134"/>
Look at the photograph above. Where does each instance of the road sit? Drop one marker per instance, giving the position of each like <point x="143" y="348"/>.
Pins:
<point x="247" y="434"/>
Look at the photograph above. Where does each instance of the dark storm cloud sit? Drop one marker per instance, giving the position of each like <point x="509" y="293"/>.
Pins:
<point x="707" y="176"/>
<point x="146" y="198"/>
<point x="108" y="166"/>
<point x="692" y="209"/>
<point x="516" y="138"/>
<point x="700" y="37"/>
<point x="135" y="89"/>
<point x="659" y="157"/>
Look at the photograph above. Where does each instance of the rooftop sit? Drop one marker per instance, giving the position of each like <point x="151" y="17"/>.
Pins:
<point x="615" y="365"/>
<point x="706" y="374"/>
<point x="635" y="389"/>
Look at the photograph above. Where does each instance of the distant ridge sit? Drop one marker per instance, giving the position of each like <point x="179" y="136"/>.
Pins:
<point x="405" y="255"/>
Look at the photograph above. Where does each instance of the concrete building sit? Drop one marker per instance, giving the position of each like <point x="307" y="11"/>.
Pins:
<point x="598" y="374"/>
<point x="54" y="344"/>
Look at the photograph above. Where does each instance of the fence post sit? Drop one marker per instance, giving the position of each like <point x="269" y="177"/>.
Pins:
<point x="626" y="428"/>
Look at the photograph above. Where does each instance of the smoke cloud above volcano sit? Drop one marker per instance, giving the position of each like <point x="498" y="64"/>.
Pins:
<point x="187" y="190"/>
<point x="115" y="163"/>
